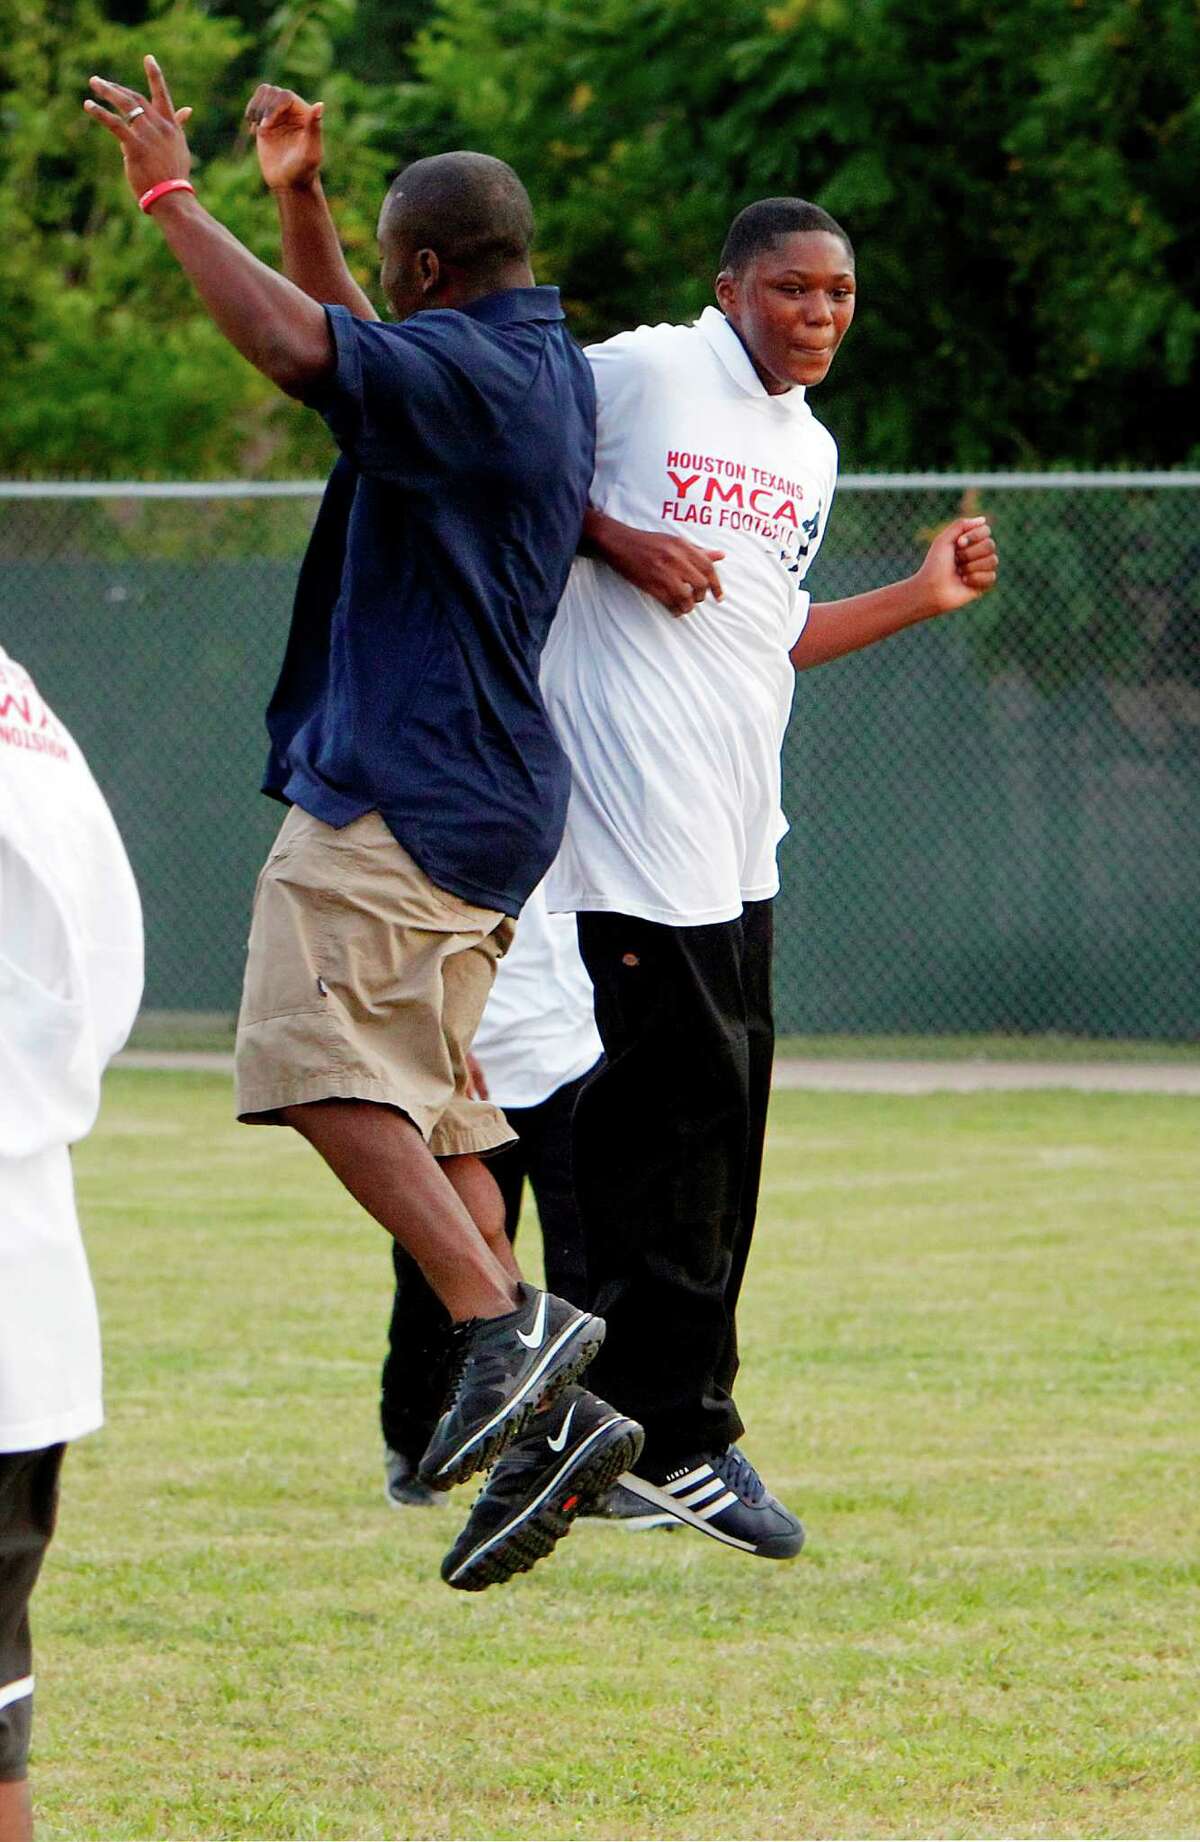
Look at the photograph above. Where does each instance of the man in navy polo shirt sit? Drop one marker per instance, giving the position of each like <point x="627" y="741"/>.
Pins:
<point x="427" y="791"/>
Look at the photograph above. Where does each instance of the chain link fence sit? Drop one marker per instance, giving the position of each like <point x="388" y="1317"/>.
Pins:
<point x="995" y="818"/>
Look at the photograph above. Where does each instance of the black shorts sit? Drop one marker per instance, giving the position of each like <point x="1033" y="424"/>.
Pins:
<point x="28" y="1505"/>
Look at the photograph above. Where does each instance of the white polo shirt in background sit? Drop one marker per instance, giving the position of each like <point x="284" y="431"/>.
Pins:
<point x="674" y="726"/>
<point x="70" y="985"/>
<point x="538" y="1030"/>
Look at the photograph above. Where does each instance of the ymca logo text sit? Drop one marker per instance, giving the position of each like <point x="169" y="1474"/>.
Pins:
<point x="727" y="495"/>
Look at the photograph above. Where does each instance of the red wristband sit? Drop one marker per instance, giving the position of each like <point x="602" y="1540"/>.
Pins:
<point x="162" y="188"/>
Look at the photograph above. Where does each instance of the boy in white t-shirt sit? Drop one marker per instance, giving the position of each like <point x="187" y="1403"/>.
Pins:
<point x="70" y="985"/>
<point x="707" y="453"/>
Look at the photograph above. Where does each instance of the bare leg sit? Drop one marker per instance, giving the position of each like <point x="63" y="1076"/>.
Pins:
<point x="16" y="1813"/>
<point x="479" y="1191"/>
<point x="386" y="1165"/>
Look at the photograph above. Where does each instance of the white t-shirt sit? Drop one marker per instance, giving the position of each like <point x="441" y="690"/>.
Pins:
<point x="538" y="1030"/>
<point x="674" y="726"/>
<point x="70" y="985"/>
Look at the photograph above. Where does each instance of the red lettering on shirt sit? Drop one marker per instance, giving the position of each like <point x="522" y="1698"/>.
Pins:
<point x="30" y="724"/>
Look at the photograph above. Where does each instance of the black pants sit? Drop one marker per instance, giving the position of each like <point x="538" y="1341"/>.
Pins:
<point x="28" y="1509"/>
<point x="415" y="1369"/>
<point x="668" y="1156"/>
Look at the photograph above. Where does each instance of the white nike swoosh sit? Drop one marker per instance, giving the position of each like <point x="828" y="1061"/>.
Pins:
<point x="559" y="1441"/>
<point x="538" y="1333"/>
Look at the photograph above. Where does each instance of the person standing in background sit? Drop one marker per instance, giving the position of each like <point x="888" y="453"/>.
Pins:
<point x="70" y="986"/>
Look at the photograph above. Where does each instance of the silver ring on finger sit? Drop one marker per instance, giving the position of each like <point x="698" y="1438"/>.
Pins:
<point x="134" y="113"/>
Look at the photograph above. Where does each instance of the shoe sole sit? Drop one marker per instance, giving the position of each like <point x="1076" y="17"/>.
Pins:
<point x="534" y="1531"/>
<point x="577" y="1345"/>
<point x="774" y="1548"/>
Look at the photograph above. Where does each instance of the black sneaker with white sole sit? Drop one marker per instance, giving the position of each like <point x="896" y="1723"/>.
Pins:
<point x="620" y="1505"/>
<point x="722" y="1495"/>
<point x="401" y="1485"/>
<point x="504" y="1370"/>
<point x="570" y="1456"/>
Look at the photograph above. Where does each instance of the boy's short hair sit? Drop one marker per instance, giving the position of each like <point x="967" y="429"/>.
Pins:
<point x="761" y="225"/>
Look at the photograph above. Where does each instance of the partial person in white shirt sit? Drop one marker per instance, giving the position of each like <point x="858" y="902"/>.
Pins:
<point x="70" y="985"/>
<point x="708" y="454"/>
<point x="535" y="1047"/>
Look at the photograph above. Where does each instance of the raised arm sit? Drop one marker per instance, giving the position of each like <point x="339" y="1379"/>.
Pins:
<point x="287" y="134"/>
<point x="269" y="320"/>
<point x="960" y="566"/>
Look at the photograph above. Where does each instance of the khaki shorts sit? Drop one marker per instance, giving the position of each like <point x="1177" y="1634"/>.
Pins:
<point x="365" y="982"/>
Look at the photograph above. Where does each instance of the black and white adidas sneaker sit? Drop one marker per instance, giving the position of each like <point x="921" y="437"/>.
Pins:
<point x="568" y="1459"/>
<point x="722" y="1495"/>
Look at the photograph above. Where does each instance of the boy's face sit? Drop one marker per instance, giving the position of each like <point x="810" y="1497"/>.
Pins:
<point x="791" y="307"/>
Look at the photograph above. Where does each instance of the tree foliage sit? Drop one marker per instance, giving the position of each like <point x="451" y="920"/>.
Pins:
<point x="110" y="368"/>
<point x="1019" y="181"/>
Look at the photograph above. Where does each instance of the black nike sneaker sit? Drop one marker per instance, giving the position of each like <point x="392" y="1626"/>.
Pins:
<point x="569" y="1457"/>
<point x="504" y="1370"/>
<point x="722" y="1495"/>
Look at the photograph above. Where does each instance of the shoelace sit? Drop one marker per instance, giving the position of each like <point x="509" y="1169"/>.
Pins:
<point x="460" y="1349"/>
<point x="739" y="1475"/>
<point x="491" y="1363"/>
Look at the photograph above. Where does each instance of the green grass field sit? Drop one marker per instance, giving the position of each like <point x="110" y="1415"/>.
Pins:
<point x="970" y="1344"/>
<point x="213" y="1031"/>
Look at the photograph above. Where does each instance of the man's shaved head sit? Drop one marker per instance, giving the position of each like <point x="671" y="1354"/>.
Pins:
<point x="470" y="209"/>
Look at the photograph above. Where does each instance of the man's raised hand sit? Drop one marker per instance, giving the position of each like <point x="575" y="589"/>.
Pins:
<point x="149" y="128"/>
<point x="287" y="134"/>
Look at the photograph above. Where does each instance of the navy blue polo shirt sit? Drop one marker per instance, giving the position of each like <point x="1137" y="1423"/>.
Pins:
<point x="440" y="552"/>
